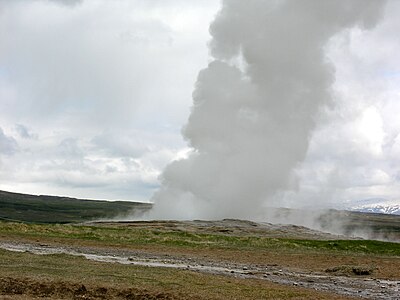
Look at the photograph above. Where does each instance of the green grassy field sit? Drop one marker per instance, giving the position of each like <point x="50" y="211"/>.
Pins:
<point x="129" y="236"/>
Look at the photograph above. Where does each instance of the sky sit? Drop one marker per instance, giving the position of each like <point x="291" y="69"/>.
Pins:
<point x="94" y="96"/>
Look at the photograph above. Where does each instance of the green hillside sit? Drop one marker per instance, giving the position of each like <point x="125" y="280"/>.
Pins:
<point x="51" y="209"/>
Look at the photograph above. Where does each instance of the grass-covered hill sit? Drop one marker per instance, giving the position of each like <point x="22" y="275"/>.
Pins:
<point x="51" y="209"/>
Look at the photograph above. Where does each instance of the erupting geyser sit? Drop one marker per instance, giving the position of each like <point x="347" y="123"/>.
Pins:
<point x="254" y="106"/>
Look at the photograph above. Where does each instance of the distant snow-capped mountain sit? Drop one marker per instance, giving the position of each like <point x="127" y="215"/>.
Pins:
<point x="381" y="209"/>
<point x="377" y="205"/>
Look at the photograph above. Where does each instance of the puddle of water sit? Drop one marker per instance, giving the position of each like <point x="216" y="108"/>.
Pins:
<point x="113" y="259"/>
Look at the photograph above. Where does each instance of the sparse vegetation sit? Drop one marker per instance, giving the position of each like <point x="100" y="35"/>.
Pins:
<point x="67" y="277"/>
<point x="351" y="270"/>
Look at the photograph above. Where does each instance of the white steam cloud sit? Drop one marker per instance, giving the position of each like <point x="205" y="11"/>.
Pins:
<point x="255" y="105"/>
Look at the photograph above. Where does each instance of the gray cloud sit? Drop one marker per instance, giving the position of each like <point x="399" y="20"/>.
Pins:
<point x="8" y="145"/>
<point x="69" y="148"/>
<point x="66" y="2"/>
<point x="24" y="132"/>
<point x="121" y="146"/>
<point x="64" y="66"/>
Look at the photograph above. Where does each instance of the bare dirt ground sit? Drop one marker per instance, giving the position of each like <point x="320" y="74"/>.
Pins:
<point x="230" y="227"/>
<point x="24" y="289"/>
<point x="336" y="274"/>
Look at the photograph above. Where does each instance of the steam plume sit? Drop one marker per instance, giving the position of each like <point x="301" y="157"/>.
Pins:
<point x="254" y="106"/>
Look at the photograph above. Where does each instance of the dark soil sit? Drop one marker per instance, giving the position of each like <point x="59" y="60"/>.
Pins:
<point x="66" y="290"/>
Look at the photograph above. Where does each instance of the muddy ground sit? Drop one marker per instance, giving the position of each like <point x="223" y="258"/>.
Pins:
<point x="24" y="289"/>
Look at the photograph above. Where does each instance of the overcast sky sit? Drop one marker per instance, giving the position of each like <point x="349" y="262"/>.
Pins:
<point x="93" y="96"/>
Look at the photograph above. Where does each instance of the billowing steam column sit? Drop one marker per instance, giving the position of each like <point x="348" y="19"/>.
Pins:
<point x="254" y="106"/>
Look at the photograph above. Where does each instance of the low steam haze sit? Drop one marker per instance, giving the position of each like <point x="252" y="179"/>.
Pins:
<point x="276" y="103"/>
